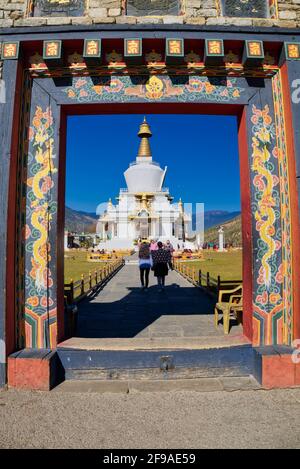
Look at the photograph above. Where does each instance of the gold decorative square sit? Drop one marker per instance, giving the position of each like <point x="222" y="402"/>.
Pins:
<point x="92" y="48"/>
<point x="175" y="47"/>
<point x="133" y="47"/>
<point x="52" y="49"/>
<point x="215" y="47"/>
<point x="10" y="50"/>
<point x="255" y="49"/>
<point x="293" y="51"/>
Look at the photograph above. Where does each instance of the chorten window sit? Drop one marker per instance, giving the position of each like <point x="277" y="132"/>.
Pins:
<point x="248" y="8"/>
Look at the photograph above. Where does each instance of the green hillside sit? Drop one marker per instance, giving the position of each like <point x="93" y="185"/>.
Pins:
<point x="232" y="232"/>
<point x="80" y="221"/>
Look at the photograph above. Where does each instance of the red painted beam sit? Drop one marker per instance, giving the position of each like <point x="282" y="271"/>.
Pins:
<point x="295" y="225"/>
<point x="246" y="227"/>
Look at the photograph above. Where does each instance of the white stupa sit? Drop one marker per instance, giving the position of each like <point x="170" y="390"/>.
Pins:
<point x="144" y="209"/>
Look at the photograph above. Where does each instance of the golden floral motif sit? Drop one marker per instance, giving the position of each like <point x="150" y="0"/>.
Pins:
<point x="274" y="298"/>
<point x="98" y="89"/>
<point x="154" y="88"/>
<point x="33" y="301"/>
<point x="209" y="88"/>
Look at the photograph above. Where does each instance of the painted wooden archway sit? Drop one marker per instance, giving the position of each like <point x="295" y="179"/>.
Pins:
<point x="43" y="89"/>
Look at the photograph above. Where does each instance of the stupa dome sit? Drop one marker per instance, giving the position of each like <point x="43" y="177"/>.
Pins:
<point x="144" y="175"/>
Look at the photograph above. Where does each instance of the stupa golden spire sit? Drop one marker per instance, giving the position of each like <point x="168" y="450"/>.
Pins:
<point x="180" y="205"/>
<point x="144" y="134"/>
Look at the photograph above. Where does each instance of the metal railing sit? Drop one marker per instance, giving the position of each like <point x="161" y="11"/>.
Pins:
<point x="204" y="280"/>
<point x="76" y="290"/>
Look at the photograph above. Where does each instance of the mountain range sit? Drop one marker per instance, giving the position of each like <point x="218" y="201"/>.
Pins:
<point x="232" y="232"/>
<point x="80" y="221"/>
<point x="218" y="217"/>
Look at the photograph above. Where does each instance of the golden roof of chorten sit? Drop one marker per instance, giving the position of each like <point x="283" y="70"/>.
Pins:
<point x="144" y="133"/>
<point x="145" y="129"/>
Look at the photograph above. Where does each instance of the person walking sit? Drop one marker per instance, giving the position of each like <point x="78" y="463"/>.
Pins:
<point x="153" y="245"/>
<point x="161" y="260"/>
<point x="169" y="247"/>
<point x="145" y="264"/>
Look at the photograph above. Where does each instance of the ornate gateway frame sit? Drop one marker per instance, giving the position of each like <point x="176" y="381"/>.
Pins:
<point x="49" y="76"/>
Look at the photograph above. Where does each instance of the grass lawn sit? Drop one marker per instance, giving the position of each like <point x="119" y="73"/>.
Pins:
<point x="226" y="264"/>
<point x="76" y="264"/>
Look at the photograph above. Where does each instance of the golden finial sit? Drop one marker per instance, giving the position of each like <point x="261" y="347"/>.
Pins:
<point x="180" y="205"/>
<point x="144" y="133"/>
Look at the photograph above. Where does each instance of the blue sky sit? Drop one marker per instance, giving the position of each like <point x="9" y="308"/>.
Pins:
<point x="200" y="151"/>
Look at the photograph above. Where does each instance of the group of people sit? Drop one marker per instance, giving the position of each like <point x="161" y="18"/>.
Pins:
<point x="158" y="257"/>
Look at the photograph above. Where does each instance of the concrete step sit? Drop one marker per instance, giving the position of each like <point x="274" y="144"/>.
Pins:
<point x="156" y="364"/>
<point x="155" y="343"/>
<point x="240" y="383"/>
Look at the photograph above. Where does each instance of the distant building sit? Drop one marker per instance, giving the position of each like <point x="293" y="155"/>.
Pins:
<point x="144" y="209"/>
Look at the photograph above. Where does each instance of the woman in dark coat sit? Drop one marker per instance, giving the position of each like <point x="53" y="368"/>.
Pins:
<point x="161" y="260"/>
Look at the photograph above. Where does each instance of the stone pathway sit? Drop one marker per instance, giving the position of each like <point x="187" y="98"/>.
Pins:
<point x="123" y="310"/>
<point x="162" y="420"/>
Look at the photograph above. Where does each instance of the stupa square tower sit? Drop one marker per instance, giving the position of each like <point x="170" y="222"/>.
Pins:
<point x="144" y="209"/>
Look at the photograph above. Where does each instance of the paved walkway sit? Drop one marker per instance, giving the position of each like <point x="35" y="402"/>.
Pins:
<point x="123" y="310"/>
<point x="240" y="419"/>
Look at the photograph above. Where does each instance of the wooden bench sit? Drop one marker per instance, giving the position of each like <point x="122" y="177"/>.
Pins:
<point x="230" y="303"/>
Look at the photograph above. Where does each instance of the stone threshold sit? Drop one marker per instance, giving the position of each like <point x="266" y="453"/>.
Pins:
<point x="229" y="384"/>
<point x="155" y="343"/>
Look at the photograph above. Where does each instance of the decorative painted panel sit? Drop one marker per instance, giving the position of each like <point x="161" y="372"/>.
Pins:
<point x="156" y="88"/>
<point x="272" y="291"/>
<point x="39" y="233"/>
<point x="272" y="275"/>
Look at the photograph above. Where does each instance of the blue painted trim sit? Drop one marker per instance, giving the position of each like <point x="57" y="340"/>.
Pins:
<point x="6" y="124"/>
<point x="241" y="357"/>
